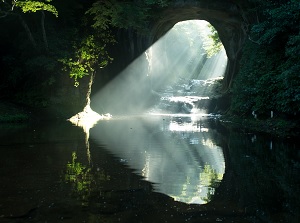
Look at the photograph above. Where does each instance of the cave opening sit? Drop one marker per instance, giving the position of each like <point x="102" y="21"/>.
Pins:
<point x="176" y="71"/>
<point x="155" y="101"/>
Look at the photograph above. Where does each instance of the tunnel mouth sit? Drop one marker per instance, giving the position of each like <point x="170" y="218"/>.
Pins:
<point x="191" y="49"/>
<point x="180" y="63"/>
<point x="186" y="67"/>
<point x="173" y="76"/>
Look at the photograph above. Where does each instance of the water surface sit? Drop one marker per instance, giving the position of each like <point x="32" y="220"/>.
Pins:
<point x="147" y="169"/>
<point x="176" y="153"/>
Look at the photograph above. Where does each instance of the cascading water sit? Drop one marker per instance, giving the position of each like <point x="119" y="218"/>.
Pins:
<point x="185" y="97"/>
<point x="168" y="77"/>
<point x="181" y="71"/>
<point x="159" y="126"/>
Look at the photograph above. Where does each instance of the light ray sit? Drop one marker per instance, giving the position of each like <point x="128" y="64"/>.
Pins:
<point x="164" y="75"/>
<point x="179" y="55"/>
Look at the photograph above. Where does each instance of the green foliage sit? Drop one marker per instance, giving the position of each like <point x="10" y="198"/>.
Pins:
<point x="34" y="6"/>
<point x="211" y="179"/>
<point x="105" y="13"/>
<point x="82" y="179"/>
<point x="209" y="35"/>
<point x="8" y="7"/>
<point x="129" y="14"/>
<point x="281" y="19"/>
<point x="269" y="74"/>
<point x="88" y="54"/>
<point x="29" y="72"/>
<point x="215" y="45"/>
<point x="91" y="52"/>
<point x="79" y="175"/>
<point x="32" y="62"/>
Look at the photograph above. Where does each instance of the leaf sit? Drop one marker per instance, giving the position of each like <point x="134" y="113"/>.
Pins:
<point x="34" y="6"/>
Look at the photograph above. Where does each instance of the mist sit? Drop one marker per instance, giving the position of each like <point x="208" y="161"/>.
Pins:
<point x="179" y="55"/>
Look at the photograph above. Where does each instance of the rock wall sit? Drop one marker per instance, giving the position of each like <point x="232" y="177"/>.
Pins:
<point x="226" y="16"/>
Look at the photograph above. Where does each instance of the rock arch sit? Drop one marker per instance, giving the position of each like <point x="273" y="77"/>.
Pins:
<point x="227" y="18"/>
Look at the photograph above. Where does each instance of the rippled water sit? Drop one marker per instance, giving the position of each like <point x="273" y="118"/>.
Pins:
<point x="164" y="168"/>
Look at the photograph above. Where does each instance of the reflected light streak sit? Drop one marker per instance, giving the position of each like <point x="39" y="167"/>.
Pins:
<point x="87" y="119"/>
<point x="187" y="127"/>
<point x="173" y="150"/>
<point x="174" y="161"/>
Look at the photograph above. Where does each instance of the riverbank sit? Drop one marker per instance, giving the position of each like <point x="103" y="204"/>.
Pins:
<point x="274" y="126"/>
<point x="13" y="113"/>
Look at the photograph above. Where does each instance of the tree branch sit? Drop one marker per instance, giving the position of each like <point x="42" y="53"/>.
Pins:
<point x="44" y="30"/>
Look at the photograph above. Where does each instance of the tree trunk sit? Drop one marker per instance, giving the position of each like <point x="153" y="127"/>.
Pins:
<point x="44" y="31"/>
<point x="28" y="32"/>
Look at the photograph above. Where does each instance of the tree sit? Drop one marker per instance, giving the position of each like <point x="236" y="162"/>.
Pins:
<point x="133" y="14"/>
<point x="269" y="75"/>
<point x="91" y="52"/>
<point x="215" y="45"/>
<point x="14" y="8"/>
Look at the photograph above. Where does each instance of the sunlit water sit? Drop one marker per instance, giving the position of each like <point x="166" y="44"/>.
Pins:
<point x="176" y="153"/>
<point x="137" y="169"/>
<point x="173" y="164"/>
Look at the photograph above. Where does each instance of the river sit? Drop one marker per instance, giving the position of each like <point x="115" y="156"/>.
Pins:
<point x="147" y="168"/>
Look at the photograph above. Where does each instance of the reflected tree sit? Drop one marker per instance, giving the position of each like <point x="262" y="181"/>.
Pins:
<point x="82" y="179"/>
<point x="79" y="176"/>
<point x="211" y="179"/>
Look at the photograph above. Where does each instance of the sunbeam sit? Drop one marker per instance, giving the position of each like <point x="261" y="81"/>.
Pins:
<point x="177" y="60"/>
<point x="157" y="127"/>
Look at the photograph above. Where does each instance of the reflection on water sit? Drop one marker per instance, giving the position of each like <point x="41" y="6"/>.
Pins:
<point x="82" y="179"/>
<point x="176" y="153"/>
<point x="48" y="175"/>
